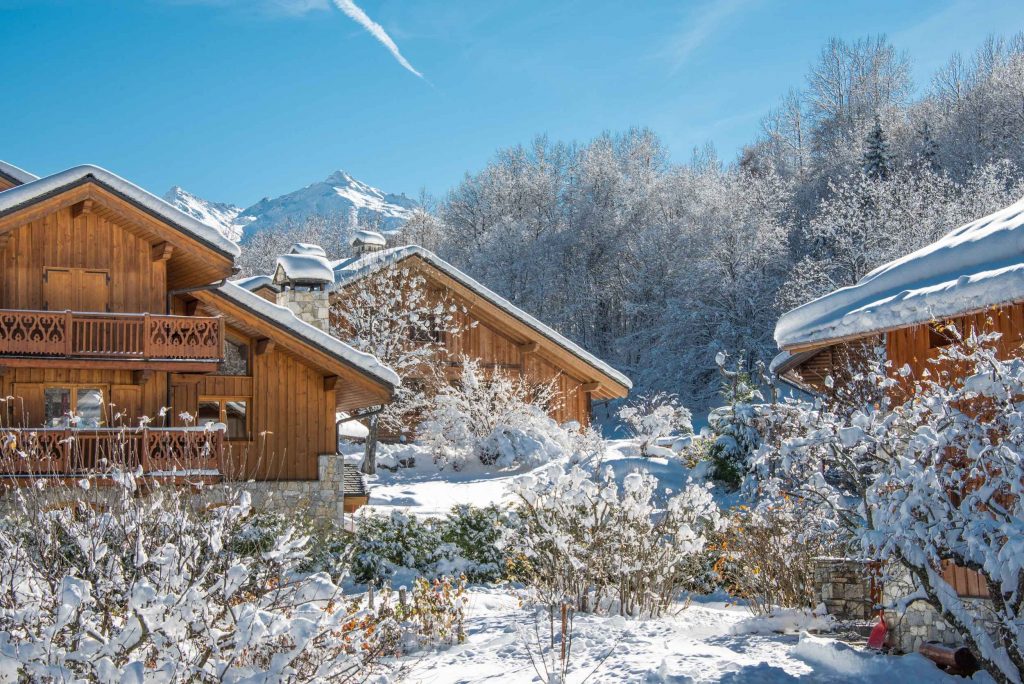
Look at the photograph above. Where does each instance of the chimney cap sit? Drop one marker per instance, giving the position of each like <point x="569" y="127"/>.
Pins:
<point x="303" y="269"/>
<point x="308" y="249"/>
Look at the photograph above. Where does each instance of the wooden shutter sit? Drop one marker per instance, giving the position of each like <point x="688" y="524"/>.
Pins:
<point x="28" y="404"/>
<point x="58" y="289"/>
<point x="93" y="290"/>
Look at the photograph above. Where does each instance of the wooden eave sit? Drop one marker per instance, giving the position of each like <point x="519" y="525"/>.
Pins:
<point x="194" y="261"/>
<point x="523" y="334"/>
<point x="358" y="388"/>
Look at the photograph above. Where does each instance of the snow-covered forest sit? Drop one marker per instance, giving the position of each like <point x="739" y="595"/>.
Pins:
<point x="657" y="266"/>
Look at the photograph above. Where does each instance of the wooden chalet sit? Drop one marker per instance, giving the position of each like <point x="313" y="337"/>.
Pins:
<point x="118" y="324"/>
<point x="494" y="331"/>
<point x="972" y="280"/>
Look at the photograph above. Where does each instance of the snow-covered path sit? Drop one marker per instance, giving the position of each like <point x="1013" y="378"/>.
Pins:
<point x="695" y="645"/>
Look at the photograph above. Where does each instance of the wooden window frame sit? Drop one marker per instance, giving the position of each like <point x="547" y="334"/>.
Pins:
<point x="73" y="388"/>
<point x="222" y="400"/>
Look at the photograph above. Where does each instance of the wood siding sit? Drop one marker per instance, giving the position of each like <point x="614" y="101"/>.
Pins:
<point x="59" y="241"/>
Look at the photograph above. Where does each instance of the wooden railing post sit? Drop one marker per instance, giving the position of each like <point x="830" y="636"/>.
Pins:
<point x="69" y="333"/>
<point x="220" y="337"/>
<point x="147" y="333"/>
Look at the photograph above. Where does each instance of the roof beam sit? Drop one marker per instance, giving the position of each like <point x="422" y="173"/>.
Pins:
<point x="529" y="347"/>
<point x="161" y="251"/>
<point x="86" y="206"/>
<point x="330" y="382"/>
<point x="590" y="386"/>
<point x="264" y="345"/>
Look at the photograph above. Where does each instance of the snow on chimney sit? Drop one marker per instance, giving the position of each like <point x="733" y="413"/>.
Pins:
<point x="367" y="242"/>
<point x="304" y="276"/>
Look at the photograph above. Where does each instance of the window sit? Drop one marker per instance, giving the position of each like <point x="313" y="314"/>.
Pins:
<point x="236" y="359"/>
<point x="430" y="332"/>
<point x="84" y="403"/>
<point x="232" y="412"/>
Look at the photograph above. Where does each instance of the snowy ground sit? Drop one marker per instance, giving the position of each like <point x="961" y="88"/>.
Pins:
<point x="709" y="641"/>
<point x="697" y="644"/>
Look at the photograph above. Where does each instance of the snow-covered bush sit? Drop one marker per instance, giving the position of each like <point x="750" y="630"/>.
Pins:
<point x="125" y="584"/>
<point x="476" y="532"/>
<point x="329" y="545"/>
<point x="767" y="556"/>
<point x="495" y="419"/>
<point x="931" y="471"/>
<point x="652" y="418"/>
<point x="397" y="546"/>
<point x="583" y="538"/>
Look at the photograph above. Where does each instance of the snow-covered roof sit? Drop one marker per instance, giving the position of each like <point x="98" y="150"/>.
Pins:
<point x="349" y="269"/>
<point x="255" y="282"/>
<point x="302" y="268"/>
<point x="16" y="174"/>
<point x="367" y="237"/>
<point x="284" y="318"/>
<point x="974" y="267"/>
<point x="307" y="248"/>
<point x="11" y="200"/>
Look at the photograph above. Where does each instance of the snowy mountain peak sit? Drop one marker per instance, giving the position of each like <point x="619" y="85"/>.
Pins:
<point x="339" y="194"/>
<point x="219" y="215"/>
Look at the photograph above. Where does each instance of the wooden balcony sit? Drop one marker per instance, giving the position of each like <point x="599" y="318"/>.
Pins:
<point x="167" y="452"/>
<point x="111" y="339"/>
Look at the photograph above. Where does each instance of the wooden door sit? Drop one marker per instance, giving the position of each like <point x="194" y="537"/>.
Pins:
<point x="76" y="289"/>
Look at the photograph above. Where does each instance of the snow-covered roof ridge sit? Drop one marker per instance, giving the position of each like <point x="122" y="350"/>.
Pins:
<point x="303" y="269"/>
<point x="13" y="172"/>
<point x="348" y="269"/>
<point x="976" y="266"/>
<point x="14" y="198"/>
<point x="285" y="318"/>
<point x="255" y="282"/>
<point x="368" y="237"/>
<point x="307" y="248"/>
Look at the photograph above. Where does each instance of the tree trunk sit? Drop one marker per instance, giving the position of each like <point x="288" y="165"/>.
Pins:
<point x="369" y="464"/>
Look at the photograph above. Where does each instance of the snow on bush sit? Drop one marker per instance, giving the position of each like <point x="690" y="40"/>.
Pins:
<point x="928" y="470"/>
<point x="136" y="585"/>
<point x="652" y="418"/>
<point x="579" y="537"/>
<point x="396" y="547"/>
<point x="494" y="419"/>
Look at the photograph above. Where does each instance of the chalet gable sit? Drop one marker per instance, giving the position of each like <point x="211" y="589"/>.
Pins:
<point x="196" y="254"/>
<point x="11" y="176"/>
<point x="534" y="337"/>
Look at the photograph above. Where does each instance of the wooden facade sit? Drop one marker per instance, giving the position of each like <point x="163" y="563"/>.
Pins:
<point x="499" y="341"/>
<point x="916" y="347"/>
<point x="113" y="315"/>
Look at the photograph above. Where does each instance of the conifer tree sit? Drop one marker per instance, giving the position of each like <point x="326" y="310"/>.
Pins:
<point x="877" y="160"/>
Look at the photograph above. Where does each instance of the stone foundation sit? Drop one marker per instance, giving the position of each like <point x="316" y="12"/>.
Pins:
<point x="320" y="499"/>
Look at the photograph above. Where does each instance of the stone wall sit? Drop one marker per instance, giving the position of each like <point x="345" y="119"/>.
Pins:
<point x="920" y="622"/>
<point x="844" y="586"/>
<point x="320" y="499"/>
<point x="312" y="306"/>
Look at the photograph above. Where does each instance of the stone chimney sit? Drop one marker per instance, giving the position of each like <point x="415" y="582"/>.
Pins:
<point x="366" y="242"/>
<point x="304" y="277"/>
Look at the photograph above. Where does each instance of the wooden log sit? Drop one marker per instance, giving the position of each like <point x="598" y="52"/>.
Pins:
<point x="957" y="659"/>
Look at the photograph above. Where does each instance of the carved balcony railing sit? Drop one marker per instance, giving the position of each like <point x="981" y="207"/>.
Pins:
<point x="47" y="452"/>
<point x="144" y="337"/>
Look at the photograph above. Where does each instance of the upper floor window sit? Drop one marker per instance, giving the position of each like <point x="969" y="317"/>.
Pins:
<point x="232" y="412"/>
<point x="236" y="359"/>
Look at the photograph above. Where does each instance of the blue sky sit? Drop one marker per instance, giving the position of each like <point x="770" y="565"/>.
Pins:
<point x="240" y="99"/>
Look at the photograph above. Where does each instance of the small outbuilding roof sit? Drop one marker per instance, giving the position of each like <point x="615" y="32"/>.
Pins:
<point x="975" y="267"/>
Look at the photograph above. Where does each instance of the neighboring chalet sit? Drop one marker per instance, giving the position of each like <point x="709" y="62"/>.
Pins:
<point x="494" y="331"/>
<point x="972" y="279"/>
<point x="116" y="311"/>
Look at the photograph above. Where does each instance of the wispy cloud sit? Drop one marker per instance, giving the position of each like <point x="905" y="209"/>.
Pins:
<point x="356" y="14"/>
<point x="700" y="27"/>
